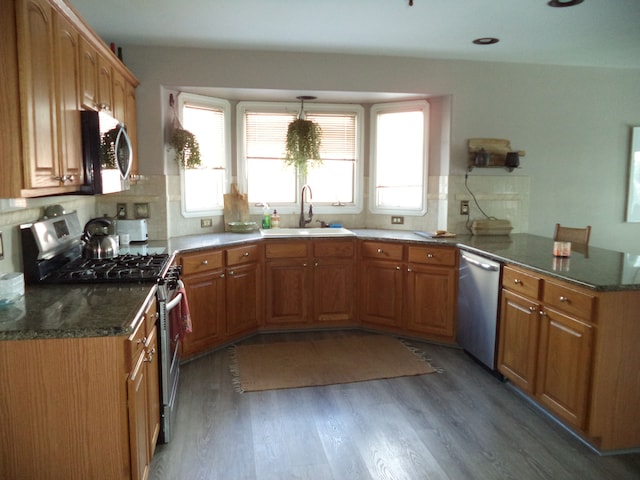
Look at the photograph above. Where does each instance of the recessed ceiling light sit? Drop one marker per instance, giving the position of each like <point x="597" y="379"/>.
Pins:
<point x="564" y="3"/>
<point x="486" y="41"/>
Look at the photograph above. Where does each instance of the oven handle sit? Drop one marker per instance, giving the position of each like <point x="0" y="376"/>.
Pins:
<point x="173" y="303"/>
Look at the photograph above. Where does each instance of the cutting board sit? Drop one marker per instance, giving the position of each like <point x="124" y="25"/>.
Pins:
<point x="236" y="207"/>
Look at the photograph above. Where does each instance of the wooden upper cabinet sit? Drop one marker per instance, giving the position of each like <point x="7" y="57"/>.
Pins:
<point x="35" y="30"/>
<point x="131" y="122"/>
<point x="105" y="84"/>
<point x="67" y="76"/>
<point x="118" y="91"/>
<point x="88" y="75"/>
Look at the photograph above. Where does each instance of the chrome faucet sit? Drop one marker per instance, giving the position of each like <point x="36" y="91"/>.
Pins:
<point x="303" y="222"/>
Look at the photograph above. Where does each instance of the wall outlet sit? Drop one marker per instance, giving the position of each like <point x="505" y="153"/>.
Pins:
<point x="121" y="210"/>
<point x="464" y="207"/>
<point x="206" y="222"/>
<point x="141" y="210"/>
<point x="397" y="220"/>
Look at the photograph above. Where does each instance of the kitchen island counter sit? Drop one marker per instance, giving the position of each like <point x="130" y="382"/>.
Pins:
<point x="66" y="311"/>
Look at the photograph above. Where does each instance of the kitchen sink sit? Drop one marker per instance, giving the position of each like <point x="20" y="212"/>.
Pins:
<point x="306" y="232"/>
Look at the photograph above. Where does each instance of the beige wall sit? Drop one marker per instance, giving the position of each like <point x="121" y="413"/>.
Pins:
<point x="573" y="122"/>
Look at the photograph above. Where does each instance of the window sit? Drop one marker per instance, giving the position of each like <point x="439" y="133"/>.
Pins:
<point x="399" y="158"/>
<point x="336" y="183"/>
<point x="203" y="187"/>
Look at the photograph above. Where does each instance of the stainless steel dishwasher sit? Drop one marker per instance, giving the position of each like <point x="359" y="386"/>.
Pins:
<point x="478" y="300"/>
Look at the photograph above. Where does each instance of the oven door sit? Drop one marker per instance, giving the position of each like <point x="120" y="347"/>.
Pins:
<point x="169" y="298"/>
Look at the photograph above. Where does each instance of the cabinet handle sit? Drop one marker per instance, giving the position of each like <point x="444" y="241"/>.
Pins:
<point x="517" y="281"/>
<point x="564" y="299"/>
<point x="379" y="250"/>
<point x="149" y="357"/>
<point x="64" y="178"/>
<point x="429" y="255"/>
<point x="205" y="262"/>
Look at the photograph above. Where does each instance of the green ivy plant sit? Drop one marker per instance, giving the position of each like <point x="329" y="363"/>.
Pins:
<point x="303" y="145"/>
<point x="186" y="147"/>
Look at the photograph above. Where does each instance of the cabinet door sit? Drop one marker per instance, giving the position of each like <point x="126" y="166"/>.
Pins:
<point x="153" y="390"/>
<point x="88" y="75"/>
<point x="333" y="290"/>
<point x="37" y="93"/>
<point x="381" y="292"/>
<point x="118" y="89"/>
<point x="130" y="121"/>
<point x="431" y="300"/>
<point x="564" y="366"/>
<point x="519" y="329"/>
<point x="67" y="76"/>
<point x="105" y="84"/>
<point x="287" y="286"/>
<point x="244" y="298"/>
<point x="206" y="293"/>
<point x="138" y="420"/>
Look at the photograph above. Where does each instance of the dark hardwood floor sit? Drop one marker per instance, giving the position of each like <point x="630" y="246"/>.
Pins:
<point x="458" y="425"/>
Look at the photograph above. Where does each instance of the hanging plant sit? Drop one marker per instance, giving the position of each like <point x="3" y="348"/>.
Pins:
<point x="187" y="149"/>
<point x="303" y="144"/>
<point x="108" y="149"/>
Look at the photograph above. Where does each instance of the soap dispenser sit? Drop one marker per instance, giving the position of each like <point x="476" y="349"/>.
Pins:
<point x="275" y="220"/>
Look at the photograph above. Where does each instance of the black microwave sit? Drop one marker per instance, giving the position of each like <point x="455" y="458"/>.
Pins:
<point x="106" y="153"/>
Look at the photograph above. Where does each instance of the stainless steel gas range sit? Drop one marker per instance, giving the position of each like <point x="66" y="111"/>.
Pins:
<point x="52" y="254"/>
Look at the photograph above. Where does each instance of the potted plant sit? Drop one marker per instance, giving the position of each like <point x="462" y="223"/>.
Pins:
<point x="186" y="147"/>
<point x="303" y="142"/>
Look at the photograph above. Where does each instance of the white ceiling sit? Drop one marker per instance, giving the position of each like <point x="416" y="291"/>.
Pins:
<point x="601" y="33"/>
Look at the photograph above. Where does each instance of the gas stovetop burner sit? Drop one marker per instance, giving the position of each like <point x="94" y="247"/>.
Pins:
<point x="127" y="268"/>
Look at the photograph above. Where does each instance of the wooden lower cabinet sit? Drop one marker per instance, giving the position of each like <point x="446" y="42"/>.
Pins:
<point x="432" y="288"/>
<point x="206" y="296"/>
<point x="224" y="289"/>
<point x="79" y="408"/>
<point x="564" y="366"/>
<point x="571" y="350"/>
<point x="309" y="282"/>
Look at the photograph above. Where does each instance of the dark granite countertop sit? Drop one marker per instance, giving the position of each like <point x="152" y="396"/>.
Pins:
<point x="99" y="310"/>
<point x="64" y="311"/>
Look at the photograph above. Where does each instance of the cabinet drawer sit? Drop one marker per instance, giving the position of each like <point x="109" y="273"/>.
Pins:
<point x="242" y="255"/>
<point x="382" y="250"/>
<point x="287" y="249"/>
<point x="521" y="282"/>
<point x="201" y="262"/>
<point x="333" y="248"/>
<point x="568" y="300"/>
<point x="433" y="255"/>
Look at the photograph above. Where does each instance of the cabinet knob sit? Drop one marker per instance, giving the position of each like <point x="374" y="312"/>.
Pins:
<point x="397" y="268"/>
<point x="304" y="264"/>
<point x="231" y="272"/>
<point x="142" y="340"/>
<point x="409" y="270"/>
<point x="533" y="309"/>
<point x="245" y="254"/>
<point x="222" y="275"/>
<point x="517" y="281"/>
<point x="564" y="299"/>
<point x="316" y="264"/>
<point x="205" y="262"/>
<point x="429" y="255"/>
<point x="379" y="250"/>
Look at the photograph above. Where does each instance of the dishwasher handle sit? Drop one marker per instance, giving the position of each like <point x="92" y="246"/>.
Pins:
<point x="485" y="266"/>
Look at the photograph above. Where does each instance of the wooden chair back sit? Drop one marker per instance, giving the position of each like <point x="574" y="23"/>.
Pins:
<point x="579" y="236"/>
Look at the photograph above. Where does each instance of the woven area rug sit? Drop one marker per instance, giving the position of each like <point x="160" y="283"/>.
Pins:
<point x="323" y="362"/>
